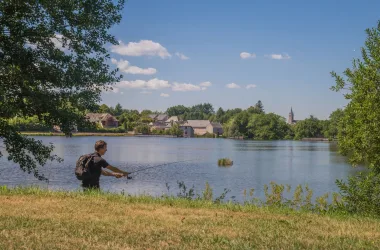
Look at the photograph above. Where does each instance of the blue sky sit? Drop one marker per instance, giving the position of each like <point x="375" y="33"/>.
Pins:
<point x="188" y="52"/>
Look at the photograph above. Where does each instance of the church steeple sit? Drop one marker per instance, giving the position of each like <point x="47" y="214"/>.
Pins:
<point x="291" y="116"/>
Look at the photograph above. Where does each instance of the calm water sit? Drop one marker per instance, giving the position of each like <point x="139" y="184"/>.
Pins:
<point x="255" y="163"/>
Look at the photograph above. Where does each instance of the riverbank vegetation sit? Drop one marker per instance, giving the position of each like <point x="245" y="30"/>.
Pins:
<point x="40" y="219"/>
<point x="252" y="123"/>
<point x="225" y="162"/>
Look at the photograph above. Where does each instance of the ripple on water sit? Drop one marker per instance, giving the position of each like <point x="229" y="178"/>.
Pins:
<point x="255" y="163"/>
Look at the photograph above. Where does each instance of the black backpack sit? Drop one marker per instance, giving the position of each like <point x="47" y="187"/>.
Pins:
<point x="83" y="167"/>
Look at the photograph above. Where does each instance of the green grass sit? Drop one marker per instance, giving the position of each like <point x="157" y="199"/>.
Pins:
<point x="33" y="218"/>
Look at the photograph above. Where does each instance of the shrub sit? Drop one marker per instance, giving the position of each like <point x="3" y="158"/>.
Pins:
<point x="225" y="162"/>
<point x="143" y="129"/>
<point x="361" y="193"/>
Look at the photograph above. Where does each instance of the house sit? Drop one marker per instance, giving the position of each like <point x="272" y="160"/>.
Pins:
<point x="105" y="120"/>
<point x="158" y="118"/>
<point x="215" y="128"/>
<point x="199" y="126"/>
<point x="152" y="116"/>
<point x="188" y="131"/>
<point x="161" y="118"/>
<point x="168" y="126"/>
<point x="172" y="119"/>
<point x="158" y="126"/>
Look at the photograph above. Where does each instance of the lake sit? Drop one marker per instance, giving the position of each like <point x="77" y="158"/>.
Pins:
<point x="256" y="163"/>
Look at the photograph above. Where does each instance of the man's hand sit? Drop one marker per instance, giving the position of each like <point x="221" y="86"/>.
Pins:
<point x="116" y="170"/>
<point x="118" y="175"/>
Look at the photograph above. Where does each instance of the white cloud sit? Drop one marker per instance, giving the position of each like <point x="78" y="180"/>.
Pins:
<point x="164" y="95"/>
<point x="251" y="86"/>
<point x="125" y="67"/>
<point x="182" y="56"/>
<point x="246" y="55"/>
<point x="141" y="84"/>
<point x="205" y="84"/>
<point x="155" y="84"/>
<point x="112" y="89"/>
<point x="279" y="56"/>
<point x="142" y="48"/>
<point x="184" y="87"/>
<point x="31" y="45"/>
<point x="136" y="70"/>
<point x="58" y="41"/>
<point x="145" y="92"/>
<point x="233" y="86"/>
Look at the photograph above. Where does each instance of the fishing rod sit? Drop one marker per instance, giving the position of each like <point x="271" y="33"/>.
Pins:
<point x="155" y="166"/>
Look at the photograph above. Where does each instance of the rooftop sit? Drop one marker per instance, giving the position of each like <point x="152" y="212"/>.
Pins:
<point x="173" y="118"/>
<point x="162" y="117"/>
<point x="96" y="117"/>
<point x="216" y="125"/>
<point x="198" y="123"/>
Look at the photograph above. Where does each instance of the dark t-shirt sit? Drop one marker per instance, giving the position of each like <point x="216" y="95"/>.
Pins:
<point x="96" y="170"/>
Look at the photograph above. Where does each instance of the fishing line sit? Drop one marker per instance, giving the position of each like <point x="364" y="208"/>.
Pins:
<point x="160" y="165"/>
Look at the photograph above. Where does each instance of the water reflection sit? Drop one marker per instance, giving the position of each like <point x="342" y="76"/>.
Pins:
<point x="255" y="163"/>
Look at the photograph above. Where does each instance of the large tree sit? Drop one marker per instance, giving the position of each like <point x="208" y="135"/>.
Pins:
<point x="53" y="64"/>
<point x="118" y="110"/>
<point x="359" y="137"/>
<point x="334" y="125"/>
<point x="267" y="127"/>
<point x="104" y="109"/>
<point x="308" y="128"/>
<point x="177" y="110"/>
<point x="359" y="130"/>
<point x="260" y="107"/>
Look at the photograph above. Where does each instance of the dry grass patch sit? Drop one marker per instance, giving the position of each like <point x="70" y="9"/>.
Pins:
<point x="56" y="221"/>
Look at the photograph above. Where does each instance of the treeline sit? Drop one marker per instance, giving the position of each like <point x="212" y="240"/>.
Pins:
<point x="251" y="123"/>
<point x="255" y="123"/>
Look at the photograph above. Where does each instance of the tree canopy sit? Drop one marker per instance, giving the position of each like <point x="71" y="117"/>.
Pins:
<point x="54" y="66"/>
<point x="359" y="137"/>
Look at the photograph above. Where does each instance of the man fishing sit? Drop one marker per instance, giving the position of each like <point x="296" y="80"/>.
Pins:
<point x="97" y="168"/>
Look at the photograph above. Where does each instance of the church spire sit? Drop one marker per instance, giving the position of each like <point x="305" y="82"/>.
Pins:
<point x="291" y="116"/>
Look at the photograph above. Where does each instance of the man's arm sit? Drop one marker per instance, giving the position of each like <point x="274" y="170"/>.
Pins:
<point x="115" y="169"/>
<point x="106" y="173"/>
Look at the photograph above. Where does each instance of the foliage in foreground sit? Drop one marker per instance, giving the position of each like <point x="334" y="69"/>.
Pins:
<point x="359" y="130"/>
<point x="359" y="137"/>
<point x="53" y="65"/>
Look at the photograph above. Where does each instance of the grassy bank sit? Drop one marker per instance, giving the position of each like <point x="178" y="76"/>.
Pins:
<point x="40" y="219"/>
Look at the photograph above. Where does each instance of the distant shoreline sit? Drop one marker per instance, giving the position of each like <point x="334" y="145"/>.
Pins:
<point x="75" y="134"/>
<point x="93" y="134"/>
<point x="141" y="135"/>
